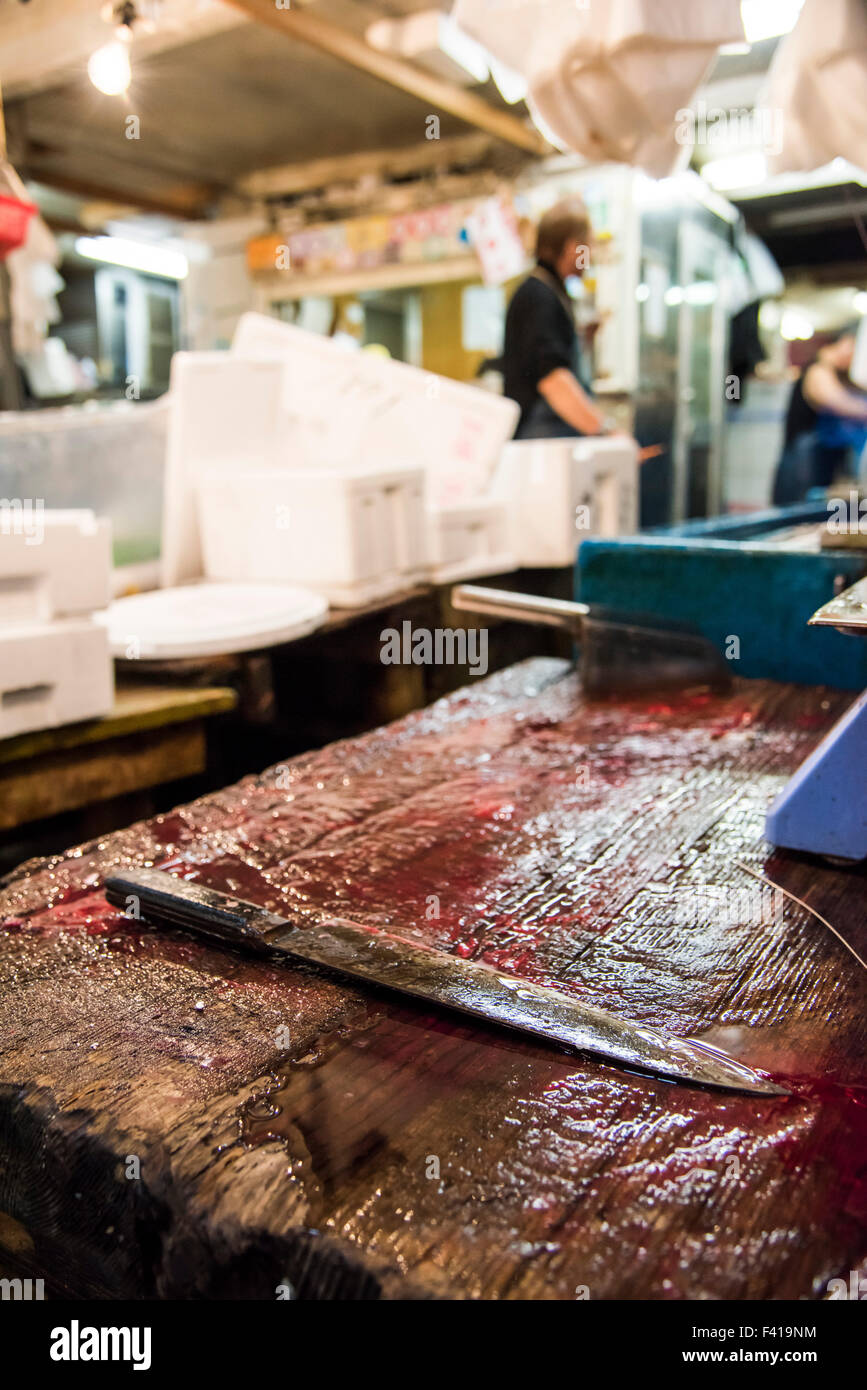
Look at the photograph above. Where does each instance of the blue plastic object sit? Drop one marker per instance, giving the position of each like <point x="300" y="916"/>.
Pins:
<point x="823" y="809"/>
<point x="729" y="580"/>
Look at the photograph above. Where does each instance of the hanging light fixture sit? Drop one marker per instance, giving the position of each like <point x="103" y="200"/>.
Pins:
<point x="109" y="66"/>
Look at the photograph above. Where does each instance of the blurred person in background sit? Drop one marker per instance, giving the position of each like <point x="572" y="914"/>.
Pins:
<point x="542" y="362"/>
<point x="825" y="423"/>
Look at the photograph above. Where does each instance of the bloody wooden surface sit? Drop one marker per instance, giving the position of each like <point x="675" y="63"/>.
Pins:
<point x="289" y="1129"/>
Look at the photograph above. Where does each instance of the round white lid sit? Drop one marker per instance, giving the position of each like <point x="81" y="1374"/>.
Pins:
<point x="210" y="620"/>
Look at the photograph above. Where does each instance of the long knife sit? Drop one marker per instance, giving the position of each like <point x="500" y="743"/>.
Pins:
<point x="391" y="962"/>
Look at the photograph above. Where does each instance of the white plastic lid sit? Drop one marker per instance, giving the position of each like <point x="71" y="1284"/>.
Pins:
<point x="210" y="620"/>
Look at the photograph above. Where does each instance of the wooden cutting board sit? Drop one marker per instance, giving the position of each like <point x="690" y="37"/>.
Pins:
<point x="177" y="1120"/>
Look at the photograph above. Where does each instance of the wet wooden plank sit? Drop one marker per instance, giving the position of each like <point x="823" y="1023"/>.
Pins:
<point x="289" y="1129"/>
<point x="154" y="734"/>
<point x="137" y="706"/>
<point x="39" y="787"/>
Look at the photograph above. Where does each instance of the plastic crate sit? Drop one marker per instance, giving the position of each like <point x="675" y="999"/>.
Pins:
<point x="108" y="458"/>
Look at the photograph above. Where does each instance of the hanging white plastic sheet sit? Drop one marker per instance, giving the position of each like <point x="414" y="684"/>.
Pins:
<point x="608" y="79"/>
<point x="818" y="81"/>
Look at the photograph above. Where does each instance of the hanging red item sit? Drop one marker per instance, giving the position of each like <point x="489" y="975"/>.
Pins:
<point x="15" y="218"/>
<point x="15" y="210"/>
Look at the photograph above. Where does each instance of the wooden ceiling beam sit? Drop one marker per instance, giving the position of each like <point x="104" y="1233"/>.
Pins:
<point x="393" y="199"/>
<point x="67" y="224"/>
<point x="184" y="202"/>
<point x="308" y="175"/>
<point x="416" y="82"/>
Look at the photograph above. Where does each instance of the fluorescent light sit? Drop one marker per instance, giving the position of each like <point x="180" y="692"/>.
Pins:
<point x="134" y="255"/>
<point x="701" y="292"/>
<point x="795" y="326"/>
<point x="846" y="172"/>
<point x="109" y="70"/>
<point x="736" y="170"/>
<point x="768" y="19"/>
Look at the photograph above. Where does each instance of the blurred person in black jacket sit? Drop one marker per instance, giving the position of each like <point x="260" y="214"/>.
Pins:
<point x="542" y="360"/>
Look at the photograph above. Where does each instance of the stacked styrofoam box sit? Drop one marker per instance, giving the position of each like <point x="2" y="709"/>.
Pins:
<point x="223" y="417"/>
<point x="470" y="539"/>
<point x="354" y="537"/>
<point x="55" y="666"/>
<point x="350" y="409"/>
<point x="557" y="492"/>
<point x="241" y="506"/>
<point x="353" y="412"/>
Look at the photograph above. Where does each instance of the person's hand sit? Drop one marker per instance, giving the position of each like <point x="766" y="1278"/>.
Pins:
<point x="649" y="451"/>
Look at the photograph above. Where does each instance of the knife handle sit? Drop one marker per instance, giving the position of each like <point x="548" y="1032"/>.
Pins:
<point x="161" y="899"/>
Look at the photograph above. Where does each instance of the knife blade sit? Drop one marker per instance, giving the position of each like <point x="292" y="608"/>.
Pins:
<point x="370" y="955"/>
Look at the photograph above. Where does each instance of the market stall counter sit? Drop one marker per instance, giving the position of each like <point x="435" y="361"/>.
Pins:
<point x="181" y="1120"/>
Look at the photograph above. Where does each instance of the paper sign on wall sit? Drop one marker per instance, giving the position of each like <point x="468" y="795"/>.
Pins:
<point x="493" y="231"/>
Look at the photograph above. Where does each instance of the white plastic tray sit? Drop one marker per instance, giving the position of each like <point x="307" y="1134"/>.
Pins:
<point x="210" y="620"/>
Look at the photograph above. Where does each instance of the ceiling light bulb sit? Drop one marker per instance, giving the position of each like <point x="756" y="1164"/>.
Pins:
<point x="109" y="70"/>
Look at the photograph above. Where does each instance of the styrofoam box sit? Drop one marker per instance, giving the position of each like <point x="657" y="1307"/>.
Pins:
<point x="351" y="409"/>
<point x="53" y="564"/>
<point x="353" y="537"/>
<point x="544" y="482"/>
<point x="53" y="673"/>
<point x="224" y="414"/>
<point x="468" y="540"/>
